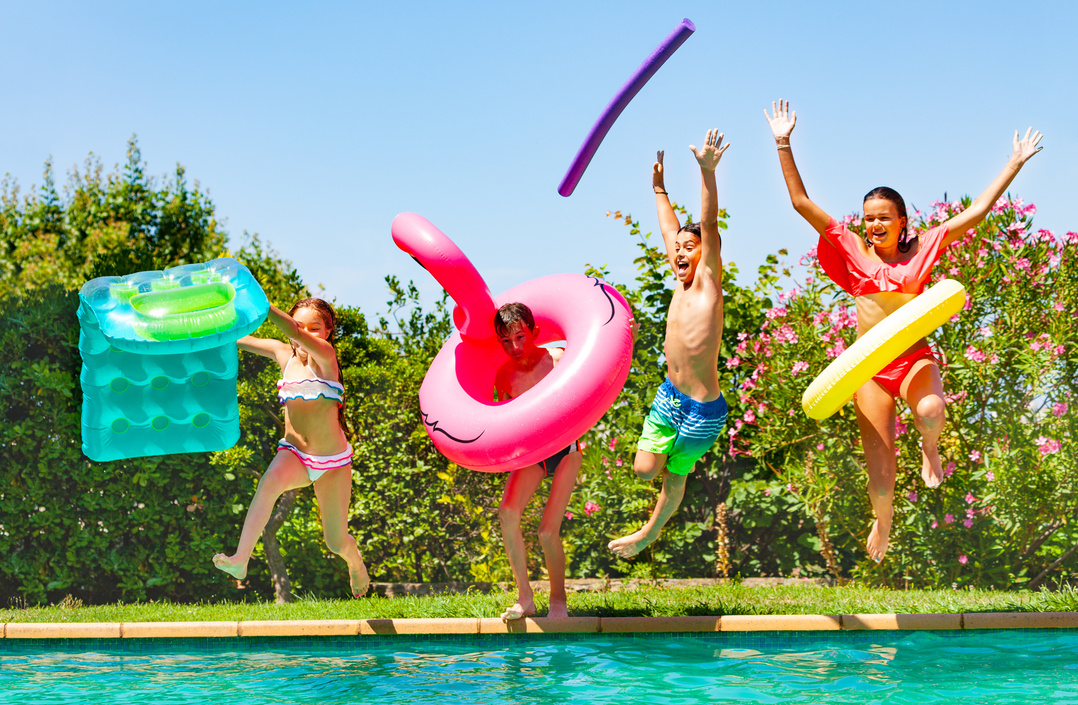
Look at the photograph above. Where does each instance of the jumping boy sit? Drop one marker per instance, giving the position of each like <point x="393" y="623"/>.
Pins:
<point x="689" y="410"/>
<point x="528" y="363"/>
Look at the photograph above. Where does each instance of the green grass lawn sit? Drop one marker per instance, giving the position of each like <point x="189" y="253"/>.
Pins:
<point x="641" y="601"/>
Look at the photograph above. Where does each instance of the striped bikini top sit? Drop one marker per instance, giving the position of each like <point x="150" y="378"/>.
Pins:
<point x="310" y="388"/>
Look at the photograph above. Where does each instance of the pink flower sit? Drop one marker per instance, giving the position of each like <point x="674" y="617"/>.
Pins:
<point x="838" y="349"/>
<point x="949" y="470"/>
<point x="619" y="462"/>
<point x="970" y="499"/>
<point x="767" y="492"/>
<point x="819" y="446"/>
<point x="799" y="366"/>
<point x="1047" y="446"/>
<point x="912" y="496"/>
<point x="968" y="523"/>
<point x="900" y="428"/>
<point x="990" y="475"/>
<point x="777" y="312"/>
<point x="613" y="442"/>
<point x="970" y="512"/>
<point x="733" y="362"/>
<point x="975" y="456"/>
<point x="750" y="416"/>
<point x="790" y="487"/>
<point x="590" y="508"/>
<point x="1058" y="306"/>
<point x="569" y="515"/>
<point x="974" y="354"/>
<point x="606" y="460"/>
<point x="949" y="518"/>
<point x="1059" y="409"/>
<point x="962" y="559"/>
<point x="935" y="524"/>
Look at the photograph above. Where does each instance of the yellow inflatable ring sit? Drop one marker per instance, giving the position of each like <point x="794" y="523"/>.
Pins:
<point x="888" y="339"/>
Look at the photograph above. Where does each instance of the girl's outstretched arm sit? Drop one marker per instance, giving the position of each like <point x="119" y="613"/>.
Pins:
<point x="320" y="350"/>
<point x="266" y="347"/>
<point x="782" y="124"/>
<point x="1023" y="149"/>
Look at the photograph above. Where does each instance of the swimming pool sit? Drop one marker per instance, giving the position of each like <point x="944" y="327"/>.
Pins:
<point x="1014" y="666"/>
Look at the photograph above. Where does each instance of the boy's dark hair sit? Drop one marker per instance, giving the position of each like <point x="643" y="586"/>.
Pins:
<point x="886" y="193"/>
<point x="512" y="313"/>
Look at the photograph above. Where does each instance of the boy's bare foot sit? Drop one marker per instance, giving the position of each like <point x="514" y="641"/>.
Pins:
<point x="558" y="610"/>
<point x="931" y="467"/>
<point x="629" y="546"/>
<point x="519" y="610"/>
<point x="359" y="579"/>
<point x="878" y="539"/>
<point x="231" y="565"/>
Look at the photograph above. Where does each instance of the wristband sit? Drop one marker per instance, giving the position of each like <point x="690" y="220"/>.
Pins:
<point x="661" y="192"/>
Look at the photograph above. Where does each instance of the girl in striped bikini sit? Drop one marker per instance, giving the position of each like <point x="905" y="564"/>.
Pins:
<point x="314" y="449"/>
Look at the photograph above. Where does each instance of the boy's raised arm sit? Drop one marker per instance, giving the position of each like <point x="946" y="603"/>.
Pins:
<point x="669" y="225"/>
<point x="708" y="157"/>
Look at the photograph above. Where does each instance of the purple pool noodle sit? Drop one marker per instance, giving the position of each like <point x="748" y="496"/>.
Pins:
<point x="621" y="99"/>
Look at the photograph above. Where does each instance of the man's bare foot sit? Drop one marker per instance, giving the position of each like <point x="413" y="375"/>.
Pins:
<point x="629" y="546"/>
<point x="931" y="467"/>
<point x="558" y="609"/>
<point x="519" y="610"/>
<point x="231" y="565"/>
<point x="359" y="579"/>
<point x="878" y="539"/>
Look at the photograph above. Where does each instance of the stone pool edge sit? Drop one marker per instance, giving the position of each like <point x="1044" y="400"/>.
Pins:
<point x="539" y="625"/>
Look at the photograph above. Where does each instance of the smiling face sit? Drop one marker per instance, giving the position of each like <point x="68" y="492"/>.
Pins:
<point x="883" y="223"/>
<point x="686" y="256"/>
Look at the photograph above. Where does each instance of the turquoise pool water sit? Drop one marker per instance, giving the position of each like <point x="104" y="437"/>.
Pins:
<point x="1027" y="666"/>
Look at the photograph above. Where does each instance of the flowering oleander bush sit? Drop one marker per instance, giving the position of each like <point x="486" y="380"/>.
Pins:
<point x="1008" y="365"/>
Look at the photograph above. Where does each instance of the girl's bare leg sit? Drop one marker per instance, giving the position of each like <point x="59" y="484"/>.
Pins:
<point x="561" y="489"/>
<point x="923" y="391"/>
<point x="519" y="487"/>
<point x="285" y="472"/>
<point x="876" y="419"/>
<point x="334" y="493"/>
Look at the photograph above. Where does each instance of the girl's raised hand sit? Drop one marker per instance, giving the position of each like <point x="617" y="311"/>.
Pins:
<point x="783" y="121"/>
<point x="1027" y="146"/>
<point x="710" y="154"/>
<point x="657" y="172"/>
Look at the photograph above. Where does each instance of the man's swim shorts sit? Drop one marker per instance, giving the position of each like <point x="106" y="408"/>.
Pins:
<point x="681" y="427"/>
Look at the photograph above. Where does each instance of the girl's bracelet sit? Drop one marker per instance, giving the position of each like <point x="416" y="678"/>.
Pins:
<point x="782" y="146"/>
<point x="661" y="192"/>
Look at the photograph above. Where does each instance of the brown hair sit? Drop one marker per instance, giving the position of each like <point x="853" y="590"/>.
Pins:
<point x="512" y="313"/>
<point x="329" y="318"/>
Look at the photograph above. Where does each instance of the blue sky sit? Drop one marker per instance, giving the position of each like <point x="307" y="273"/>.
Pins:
<point x="313" y="126"/>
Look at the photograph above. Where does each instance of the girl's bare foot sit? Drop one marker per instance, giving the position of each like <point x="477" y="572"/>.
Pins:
<point x="629" y="546"/>
<point x="558" y="609"/>
<point x="878" y="539"/>
<point x="931" y="467"/>
<point x="519" y="610"/>
<point x="231" y="565"/>
<point x="359" y="579"/>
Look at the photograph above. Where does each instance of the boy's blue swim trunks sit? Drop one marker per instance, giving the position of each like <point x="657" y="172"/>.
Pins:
<point x="681" y="427"/>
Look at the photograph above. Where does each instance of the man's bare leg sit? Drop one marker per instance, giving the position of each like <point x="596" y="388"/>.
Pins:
<point x="561" y="489"/>
<point x="519" y="487"/>
<point x="670" y="497"/>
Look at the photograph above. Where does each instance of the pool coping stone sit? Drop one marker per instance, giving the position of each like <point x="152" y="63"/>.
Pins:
<point x="540" y="625"/>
